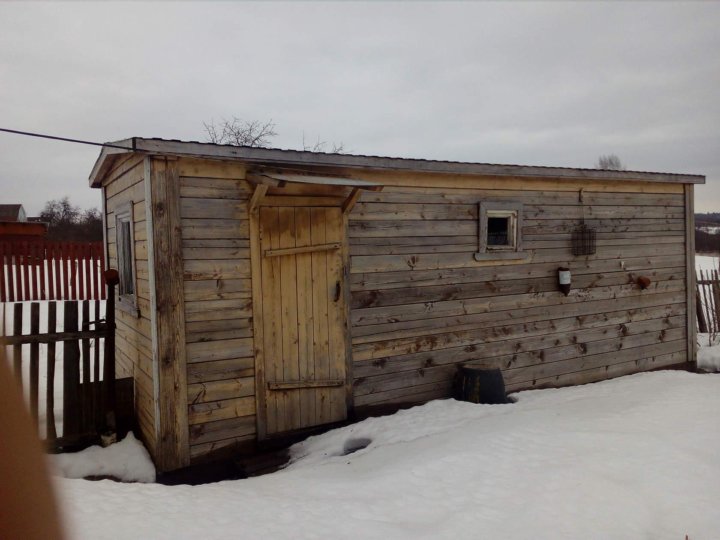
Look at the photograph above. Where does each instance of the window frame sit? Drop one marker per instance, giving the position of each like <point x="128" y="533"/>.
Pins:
<point x="511" y="251"/>
<point x="124" y="214"/>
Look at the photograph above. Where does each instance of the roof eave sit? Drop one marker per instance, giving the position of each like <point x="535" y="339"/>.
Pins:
<point x="298" y="157"/>
<point x="105" y="159"/>
<point x="270" y="156"/>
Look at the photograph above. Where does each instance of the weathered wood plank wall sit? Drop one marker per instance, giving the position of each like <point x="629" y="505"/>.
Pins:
<point x="162" y="191"/>
<point x="125" y="183"/>
<point x="218" y="307"/>
<point x="421" y="304"/>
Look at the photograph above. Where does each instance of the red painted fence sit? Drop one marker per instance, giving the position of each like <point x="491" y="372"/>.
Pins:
<point x="46" y="270"/>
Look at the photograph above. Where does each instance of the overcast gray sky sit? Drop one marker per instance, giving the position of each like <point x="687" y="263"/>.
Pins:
<point x="534" y="84"/>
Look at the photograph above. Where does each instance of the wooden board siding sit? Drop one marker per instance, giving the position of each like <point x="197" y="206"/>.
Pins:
<point x="133" y="338"/>
<point x="162" y="207"/>
<point x="421" y="304"/>
<point x="416" y="300"/>
<point x="218" y="305"/>
<point x="690" y="273"/>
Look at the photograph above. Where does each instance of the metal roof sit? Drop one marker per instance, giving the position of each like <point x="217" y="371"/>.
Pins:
<point x="278" y="157"/>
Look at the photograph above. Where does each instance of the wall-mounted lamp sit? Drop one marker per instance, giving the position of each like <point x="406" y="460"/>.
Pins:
<point x="564" y="280"/>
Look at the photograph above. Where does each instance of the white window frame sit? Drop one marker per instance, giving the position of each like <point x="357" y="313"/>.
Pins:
<point x="126" y="300"/>
<point x="513" y="250"/>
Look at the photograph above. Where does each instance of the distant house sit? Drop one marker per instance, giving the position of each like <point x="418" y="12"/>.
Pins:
<point x="264" y="292"/>
<point x="15" y="225"/>
<point x="12" y="212"/>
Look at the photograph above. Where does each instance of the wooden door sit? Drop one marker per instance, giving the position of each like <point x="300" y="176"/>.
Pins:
<point x="304" y="330"/>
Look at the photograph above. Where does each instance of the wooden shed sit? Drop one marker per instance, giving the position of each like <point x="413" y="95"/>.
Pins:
<point x="264" y="292"/>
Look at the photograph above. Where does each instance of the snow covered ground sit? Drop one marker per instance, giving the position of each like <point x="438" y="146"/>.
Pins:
<point x="706" y="262"/>
<point x="635" y="457"/>
<point x="127" y="460"/>
<point x="630" y="458"/>
<point x="708" y="358"/>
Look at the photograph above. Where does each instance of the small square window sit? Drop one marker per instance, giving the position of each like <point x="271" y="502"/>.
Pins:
<point x="127" y="284"/>
<point x="124" y="244"/>
<point x="499" y="230"/>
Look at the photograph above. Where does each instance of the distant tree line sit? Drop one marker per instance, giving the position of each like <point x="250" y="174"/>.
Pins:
<point x="67" y="222"/>
<point x="610" y="162"/>
<point x="709" y="217"/>
<point x="706" y="242"/>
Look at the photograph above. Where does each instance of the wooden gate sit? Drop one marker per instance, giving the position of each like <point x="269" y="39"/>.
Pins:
<point x="707" y="301"/>
<point x="78" y="362"/>
<point x="304" y="330"/>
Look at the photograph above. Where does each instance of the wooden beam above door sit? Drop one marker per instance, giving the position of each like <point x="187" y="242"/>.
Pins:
<point x="257" y="196"/>
<point x="278" y="179"/>
<point x="349" y="203"/>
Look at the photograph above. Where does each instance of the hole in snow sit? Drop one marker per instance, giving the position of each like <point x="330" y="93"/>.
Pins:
<point x="355" y="444"/>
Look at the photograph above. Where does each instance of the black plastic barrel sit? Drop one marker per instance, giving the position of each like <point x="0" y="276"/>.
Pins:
<point x="480" y="385"/>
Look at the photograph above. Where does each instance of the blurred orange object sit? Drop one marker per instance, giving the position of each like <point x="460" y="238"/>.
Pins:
<point x="27" y="505"/>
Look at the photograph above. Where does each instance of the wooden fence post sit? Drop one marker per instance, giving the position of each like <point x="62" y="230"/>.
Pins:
<point x="57" y="265"/>
<point x="112" y="279"/>
<point x="9" y="259"/>
<point x="73" y="257"/>
<point x="103" y="283"/>
<point x="17" y="263"/>
<point x="17" y="349"/>
<point x="25" y="270"/>
<point x="94" y="274"/>
<point x="85" y="381"/>
<point x="71" y="372"/>
<point x="702" y="323"/>
<point x="34" y="361"/>
<point x="64" y="274"/>
<point x="3" y="295"/>
<point x="49" y="257"/>
<point x="50" y="390"/>
<point x="98" y="419"/>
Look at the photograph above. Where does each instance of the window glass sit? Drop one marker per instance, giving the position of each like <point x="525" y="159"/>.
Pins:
<point x="125" y="262"/>
<point x="126" y="285"/>
<point x="498" y="231"/>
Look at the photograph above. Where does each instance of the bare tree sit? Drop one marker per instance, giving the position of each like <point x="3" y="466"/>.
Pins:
<point x="319" y="146"/>
<point x="610" y="163"/>
<point x="60" y="212"/>
<point x="239" y="132"/>
<point x="67" y="222"/>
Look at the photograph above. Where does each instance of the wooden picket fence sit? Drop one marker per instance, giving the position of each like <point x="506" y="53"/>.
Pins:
<point x="47" y="270"/>
<point x="87" y="376"/>
<point x="707" y="300"/>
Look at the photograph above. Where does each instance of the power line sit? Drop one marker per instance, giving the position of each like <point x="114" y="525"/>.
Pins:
<point x="65" y="139"/>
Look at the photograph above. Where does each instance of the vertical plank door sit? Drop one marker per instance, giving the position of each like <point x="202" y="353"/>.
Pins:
<point x="304" y="323"/>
